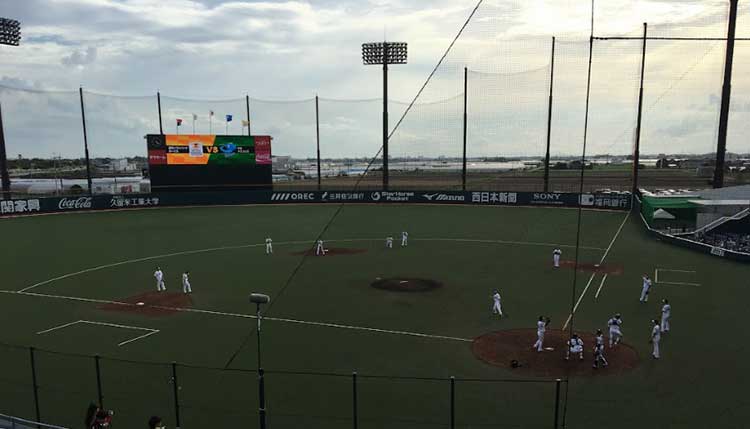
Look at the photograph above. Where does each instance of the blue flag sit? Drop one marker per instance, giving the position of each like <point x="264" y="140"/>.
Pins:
<point x="229" y="118"/>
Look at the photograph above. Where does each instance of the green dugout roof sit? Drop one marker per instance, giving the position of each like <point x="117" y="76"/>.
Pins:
<point x="680" y="207"/>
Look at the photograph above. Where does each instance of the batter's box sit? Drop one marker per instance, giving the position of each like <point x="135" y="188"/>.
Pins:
<point x="665" y="276"/>
<point x="138" y="334"/>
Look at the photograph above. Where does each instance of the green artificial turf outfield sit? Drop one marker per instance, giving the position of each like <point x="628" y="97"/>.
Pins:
<point x="472" y="250"/>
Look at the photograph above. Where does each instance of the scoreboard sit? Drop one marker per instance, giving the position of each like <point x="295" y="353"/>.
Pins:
<point x="208" y="162"/>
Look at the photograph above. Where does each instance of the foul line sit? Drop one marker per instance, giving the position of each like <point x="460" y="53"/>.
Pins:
<point x="601" y="285"/>
<point x="225" y="314"/>
<point x="111" y="325"/>
<point x="246" y="246"/>
<point x="606" y="252"/>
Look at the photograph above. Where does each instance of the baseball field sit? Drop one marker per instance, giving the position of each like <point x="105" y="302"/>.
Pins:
<point x="406" y="319"/>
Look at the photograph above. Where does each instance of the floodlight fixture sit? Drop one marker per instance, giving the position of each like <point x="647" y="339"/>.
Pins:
<point x="10" y="32"/>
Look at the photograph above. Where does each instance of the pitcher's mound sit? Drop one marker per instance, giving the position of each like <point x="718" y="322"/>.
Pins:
<point x="406" y="284"/>
<point x="332" y="251"/>
<point x="501" y="348"/>
<point x="153" y="304"/>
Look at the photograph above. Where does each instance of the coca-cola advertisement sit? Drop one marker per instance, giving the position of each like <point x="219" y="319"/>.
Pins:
<point x="75" y="203"/>
<point x="262" y="150"/>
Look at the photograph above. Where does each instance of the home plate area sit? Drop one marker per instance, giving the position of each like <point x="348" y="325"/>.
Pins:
<point x="501" y="348"/>
<point x="154" y="304"/>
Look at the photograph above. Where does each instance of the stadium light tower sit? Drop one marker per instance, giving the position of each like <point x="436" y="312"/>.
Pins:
<point x="384" y="53"/>
<point x="10" y="34"/>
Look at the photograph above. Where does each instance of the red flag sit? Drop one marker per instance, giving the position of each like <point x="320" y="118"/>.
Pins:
<point x="179" y="122"/>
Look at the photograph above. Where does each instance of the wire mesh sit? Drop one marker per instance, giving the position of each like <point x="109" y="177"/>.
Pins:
<point x="16" y="393"/>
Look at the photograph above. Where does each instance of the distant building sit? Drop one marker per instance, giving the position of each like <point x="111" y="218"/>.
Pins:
<point x="281" y="164"/>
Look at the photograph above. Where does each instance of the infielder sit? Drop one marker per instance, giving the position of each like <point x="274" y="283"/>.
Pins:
<point x="186" y="283"/>
<point x="269" y="246"/>
<point x="389" y="242"/>
<point x="160" y="286"/>
<point x="496" y="309"/>
<point x="646" y="288"/>
<point x="575" y="345"/>
<point x="666" y="313"/>
<point x="541" y="327"/>
<point x="615" y="334"/>
<point x="404" y="238"/>
<point x="599" y="350"/>
<point x="556" y="257"/>
<point x="319" y="249"/>
<point x="655" y="338"/>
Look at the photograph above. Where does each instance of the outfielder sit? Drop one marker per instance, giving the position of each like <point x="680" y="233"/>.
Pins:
<point x="404" y="238"/>
<point x="319" y="249"/>
<point x="666" y="313"/>
<point x="599" y="350"/>
<point x="646" y="288"/>
<point x="655" y="338"/>
<point x="389" y="242"/>
<point x="269" y="246"/>
<point x="556" y="257"/>
<point x="496" y="309"/>
<point x="541" y="327"/>
<point x="615" y="334"/>
<point x="160" y="286"/>
<point x="575" y="345"/>
<point x="186" y="283"/>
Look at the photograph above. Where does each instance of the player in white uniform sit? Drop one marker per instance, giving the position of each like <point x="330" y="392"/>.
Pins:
<point x="666" y="313"/>
<point x="186" y="283"/>
<point x="615" y="333"/>
<point x="541" y="327"/>
<point x="160" y="286"/>
<point x="269" y="246"/>
<point x="575" y="345"/>
<point x="496" y="309"/>
<point x="556" y="257"/>
<point x="599" y="350"/>
<point x="404" y="238"/>
<point x="389" y="242"/>
<point x="655" y="338"/>
<point x="646" y="288"/>
<point x="319" y="249"/>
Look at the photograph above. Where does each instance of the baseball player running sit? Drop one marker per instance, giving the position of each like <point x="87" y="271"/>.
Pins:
<point x="496" y="309"/>
<point x="599" y="358"/>
<point x="575" y="345"/>
<point x="541" y="327"/>
<point x="319" y="249"/>
<point x="666" y="313"/>
<point x="615" y="333"/>
<point x="556" y="257"/>
<point x="646" y="288"/>
<point x="404" y="238"/>
<point x="389" y="242"/>
<point x="269" y="246"/>
<point x="655" y="338"/>
<point x="159" y="275"/>
<point x="186" y="283"/>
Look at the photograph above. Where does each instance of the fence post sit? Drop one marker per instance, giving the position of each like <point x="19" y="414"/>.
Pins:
<point x="175" y="389"/>
<point x="354" y="400"/>
<point x="4" y="162"/>
<point x="85" y="143"/>
<point x="247" y="108"/>
<point x="99" y="381"/>
<point x="466" y="95"/>
<point x="549" y="117"/>
<point x="557" y="403"/>
<point x="637" y="150"/>
<point x="261" y="399"/>
<point x="317" y="136"/>
<point x="453" y="402"/>
<point x="34" y="384"/>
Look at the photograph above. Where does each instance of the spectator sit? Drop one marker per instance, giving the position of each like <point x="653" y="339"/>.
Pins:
<point x="97" y="417"/>
<point x="155" y="423"/>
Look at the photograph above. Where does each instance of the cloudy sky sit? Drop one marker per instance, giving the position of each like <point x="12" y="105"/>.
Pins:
<point x="207" y="54"/>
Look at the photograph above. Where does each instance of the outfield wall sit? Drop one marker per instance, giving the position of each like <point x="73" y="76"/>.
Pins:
<point x="31" y="206"/>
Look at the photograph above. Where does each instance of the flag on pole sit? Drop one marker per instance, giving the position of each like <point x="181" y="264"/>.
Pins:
<point x="195" y="117"/>
<point x="229" y="118"/>
<point x="210" y="113"/>
<point x="179" y="122"/>
<point x="245" y="123"/>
